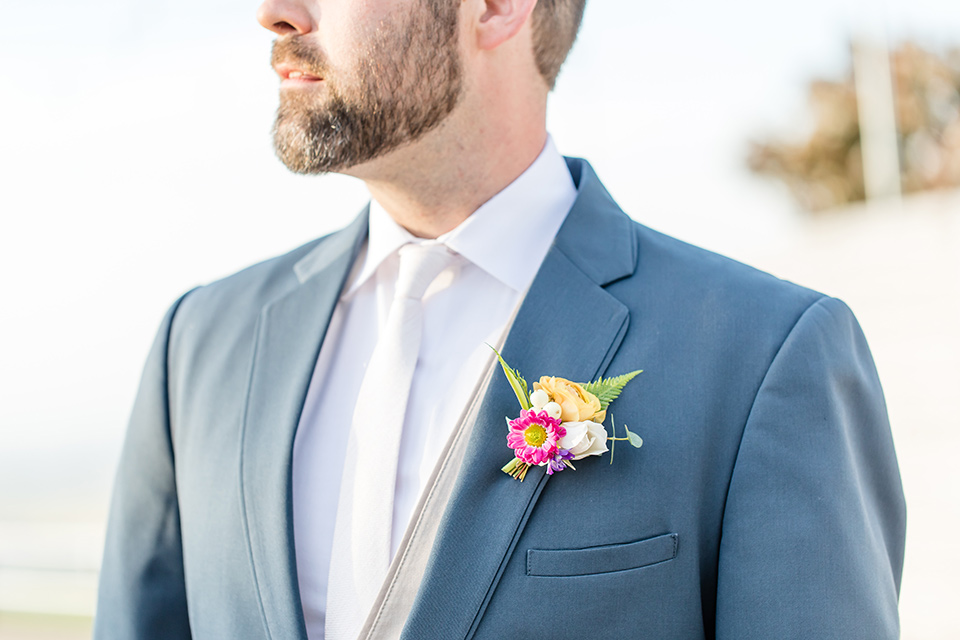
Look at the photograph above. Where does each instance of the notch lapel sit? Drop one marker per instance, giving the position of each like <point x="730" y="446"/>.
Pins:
<point x="290" y="331"/>
<point x="567" y="326"/>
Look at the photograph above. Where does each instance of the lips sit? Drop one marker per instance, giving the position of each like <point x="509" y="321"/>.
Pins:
<point x="291" y="74"/>
<point x="300" y="75"/>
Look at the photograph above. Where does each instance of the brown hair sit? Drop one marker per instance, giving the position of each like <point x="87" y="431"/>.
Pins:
<point x="555" y="26"/>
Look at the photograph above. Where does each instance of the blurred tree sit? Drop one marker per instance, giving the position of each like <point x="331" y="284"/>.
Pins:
<point x="826" y="170"/>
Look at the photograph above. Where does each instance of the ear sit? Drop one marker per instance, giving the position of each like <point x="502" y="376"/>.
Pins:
<point x="501" y="20"/>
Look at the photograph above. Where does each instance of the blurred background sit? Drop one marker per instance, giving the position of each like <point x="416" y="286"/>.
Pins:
<point x="817" y="140"/>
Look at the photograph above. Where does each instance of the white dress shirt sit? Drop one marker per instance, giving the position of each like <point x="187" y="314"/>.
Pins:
<point x="499" y="249"/>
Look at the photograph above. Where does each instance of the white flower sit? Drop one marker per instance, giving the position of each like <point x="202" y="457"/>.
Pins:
<point x="584" y="439"/>
<point x="539" y="399"/>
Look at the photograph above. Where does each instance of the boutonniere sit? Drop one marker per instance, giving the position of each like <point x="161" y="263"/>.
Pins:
<point x="561" y="421"/>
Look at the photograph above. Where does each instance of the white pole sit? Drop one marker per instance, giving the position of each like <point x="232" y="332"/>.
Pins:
<point x="877" y="113"/>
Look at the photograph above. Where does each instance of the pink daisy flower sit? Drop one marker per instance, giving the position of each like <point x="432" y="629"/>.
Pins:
<point x="534" y="435"/>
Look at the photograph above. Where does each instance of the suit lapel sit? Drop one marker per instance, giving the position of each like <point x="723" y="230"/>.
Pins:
<point x="289" y="333"/>
<point x="567" y="326"/>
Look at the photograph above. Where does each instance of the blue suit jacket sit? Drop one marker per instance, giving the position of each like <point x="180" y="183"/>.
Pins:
<point x="765" y="502"/>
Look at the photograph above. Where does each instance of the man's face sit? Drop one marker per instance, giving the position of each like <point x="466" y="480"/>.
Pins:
<point x="391" y="83"/>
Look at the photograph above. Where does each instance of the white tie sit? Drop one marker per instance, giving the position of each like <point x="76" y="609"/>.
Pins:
<point x="362" y="535"/>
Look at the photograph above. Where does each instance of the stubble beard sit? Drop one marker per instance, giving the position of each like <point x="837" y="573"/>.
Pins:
<point x="403" y="85"/>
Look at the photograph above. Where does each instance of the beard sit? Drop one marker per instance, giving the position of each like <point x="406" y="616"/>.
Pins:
<point x="406" y="81"/>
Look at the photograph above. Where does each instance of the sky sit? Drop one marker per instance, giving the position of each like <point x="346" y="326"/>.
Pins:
<point x="136" y="163"/>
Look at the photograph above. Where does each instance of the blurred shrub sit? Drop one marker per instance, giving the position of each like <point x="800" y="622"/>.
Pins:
<point x="826" y="170"/>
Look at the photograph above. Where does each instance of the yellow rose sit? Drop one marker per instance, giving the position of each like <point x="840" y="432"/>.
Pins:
<point x="577" y="404"/>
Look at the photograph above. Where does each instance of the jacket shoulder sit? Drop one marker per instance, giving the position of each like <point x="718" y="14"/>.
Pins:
<point x="254" y="285"/>
<point x="699" y="281"/>
<point x="698" y="318"/>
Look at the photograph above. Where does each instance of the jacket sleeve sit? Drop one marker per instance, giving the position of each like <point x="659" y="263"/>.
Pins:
<point x="814" y="524"/>
<point x="141" y="593"/>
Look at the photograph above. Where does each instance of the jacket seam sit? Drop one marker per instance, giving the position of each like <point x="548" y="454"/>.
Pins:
<point x="760" y="387"/>
<point x="244" y="518"/>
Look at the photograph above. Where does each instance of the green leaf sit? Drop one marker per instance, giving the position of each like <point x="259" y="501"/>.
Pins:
<point x="635" y="440"/>
<point x="609" y="390"/>
<point x="517" y="383"/>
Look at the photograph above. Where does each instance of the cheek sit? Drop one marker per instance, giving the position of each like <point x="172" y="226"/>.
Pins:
<point x="347" y="28"/>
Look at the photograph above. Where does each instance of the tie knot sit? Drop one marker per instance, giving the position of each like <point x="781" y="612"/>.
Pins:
<point x="420" y="264"/>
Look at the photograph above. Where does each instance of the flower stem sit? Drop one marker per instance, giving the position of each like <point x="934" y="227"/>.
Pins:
<point x="516" y="469"/>
<point x="613" y="428"/>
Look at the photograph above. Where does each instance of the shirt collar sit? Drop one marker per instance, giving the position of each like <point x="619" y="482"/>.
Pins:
<point x="384" y="237"/>
<point x="508" y="236"/>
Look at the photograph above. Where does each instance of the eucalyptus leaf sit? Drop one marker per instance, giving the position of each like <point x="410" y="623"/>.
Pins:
<point x="635" y="440"/>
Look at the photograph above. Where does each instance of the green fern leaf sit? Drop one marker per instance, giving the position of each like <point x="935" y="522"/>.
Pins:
<point x="609" y="390"/>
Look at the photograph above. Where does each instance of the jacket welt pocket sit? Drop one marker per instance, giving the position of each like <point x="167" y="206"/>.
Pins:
<point x="605" y="559"/>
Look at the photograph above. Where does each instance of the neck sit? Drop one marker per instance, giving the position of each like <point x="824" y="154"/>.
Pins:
<point x="431" y="186"/>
